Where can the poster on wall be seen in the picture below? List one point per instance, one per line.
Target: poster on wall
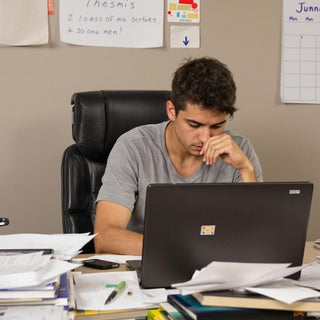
(121, 23)
(300, 65)
(186, 11)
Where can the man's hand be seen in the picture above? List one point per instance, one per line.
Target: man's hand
(224, 146)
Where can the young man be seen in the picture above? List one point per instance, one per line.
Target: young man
(192, 147)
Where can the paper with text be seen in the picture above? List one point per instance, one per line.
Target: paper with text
(30, 269)
(123, 23)
(91, 292)
(33, 313)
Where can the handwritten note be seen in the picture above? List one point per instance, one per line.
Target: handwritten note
(300, 68)
(110, 23)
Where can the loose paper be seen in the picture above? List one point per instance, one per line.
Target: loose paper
(185, 37)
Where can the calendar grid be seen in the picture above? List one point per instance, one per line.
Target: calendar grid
(301, 67)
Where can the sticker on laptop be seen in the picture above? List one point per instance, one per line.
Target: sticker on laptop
(294, 191)
(207, 230)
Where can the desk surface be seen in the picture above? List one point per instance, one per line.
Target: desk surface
(310, 255)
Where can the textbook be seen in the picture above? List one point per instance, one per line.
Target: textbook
(37, 292)
(58, 294)
(170, 311)
(192, 309)
(236, 299)
(155, 314)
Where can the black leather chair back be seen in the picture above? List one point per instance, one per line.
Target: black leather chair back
(99, 118)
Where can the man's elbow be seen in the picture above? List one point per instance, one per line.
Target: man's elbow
(98, 244)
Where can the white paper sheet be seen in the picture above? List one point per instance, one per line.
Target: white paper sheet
(30, 269)
(185, 37)
(65, 245)
(310, 276)
(33, 313)
(91, 292)
(227, 275)
(23, 22)
(285, 292)
(135, 24)
(266, 279)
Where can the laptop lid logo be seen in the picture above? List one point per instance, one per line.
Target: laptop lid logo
(207, 230)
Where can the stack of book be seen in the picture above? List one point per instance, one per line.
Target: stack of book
(53, 293)
(230, 305)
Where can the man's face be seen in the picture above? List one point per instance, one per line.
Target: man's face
(194, 126)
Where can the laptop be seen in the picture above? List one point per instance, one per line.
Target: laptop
(187, 226)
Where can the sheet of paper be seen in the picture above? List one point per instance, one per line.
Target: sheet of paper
(23, 23)
(185, 37)
(131, 24)
(23, 263)
(65, 245)
(91, 292)
(285, 292)
(31, 269)
(186, 11)
(33, 313)
(300, 72)
(310, 276)
(232, 275)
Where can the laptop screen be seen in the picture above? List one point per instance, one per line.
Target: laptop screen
(187, 226)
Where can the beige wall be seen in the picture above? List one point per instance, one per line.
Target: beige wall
(36, 84)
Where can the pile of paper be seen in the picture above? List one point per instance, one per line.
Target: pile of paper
(31, 269)
(263, 278)
(65, 245)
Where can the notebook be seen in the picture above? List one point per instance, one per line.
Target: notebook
(187, 226)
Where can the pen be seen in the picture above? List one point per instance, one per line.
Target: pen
(119, 288)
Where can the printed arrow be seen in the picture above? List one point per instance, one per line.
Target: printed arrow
(185, 41)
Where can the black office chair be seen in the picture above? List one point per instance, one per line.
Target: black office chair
(99, 118)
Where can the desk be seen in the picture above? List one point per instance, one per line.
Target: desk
(310, 255)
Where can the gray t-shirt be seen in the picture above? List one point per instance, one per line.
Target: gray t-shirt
(140, 157)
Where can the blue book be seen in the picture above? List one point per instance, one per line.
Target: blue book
(62, 298)
(192, 309)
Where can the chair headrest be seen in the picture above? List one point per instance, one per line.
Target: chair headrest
(100, 117)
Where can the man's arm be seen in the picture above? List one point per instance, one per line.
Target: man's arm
(111, 220)
(225, 147)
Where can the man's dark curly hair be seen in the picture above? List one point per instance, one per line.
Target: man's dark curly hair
(205, 82)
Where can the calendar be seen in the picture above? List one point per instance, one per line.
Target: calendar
(300, 65)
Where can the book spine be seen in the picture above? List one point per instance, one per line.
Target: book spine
(63, 292)
(198, 313)
(155, 314)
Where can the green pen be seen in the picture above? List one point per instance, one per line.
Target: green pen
(119, 288)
